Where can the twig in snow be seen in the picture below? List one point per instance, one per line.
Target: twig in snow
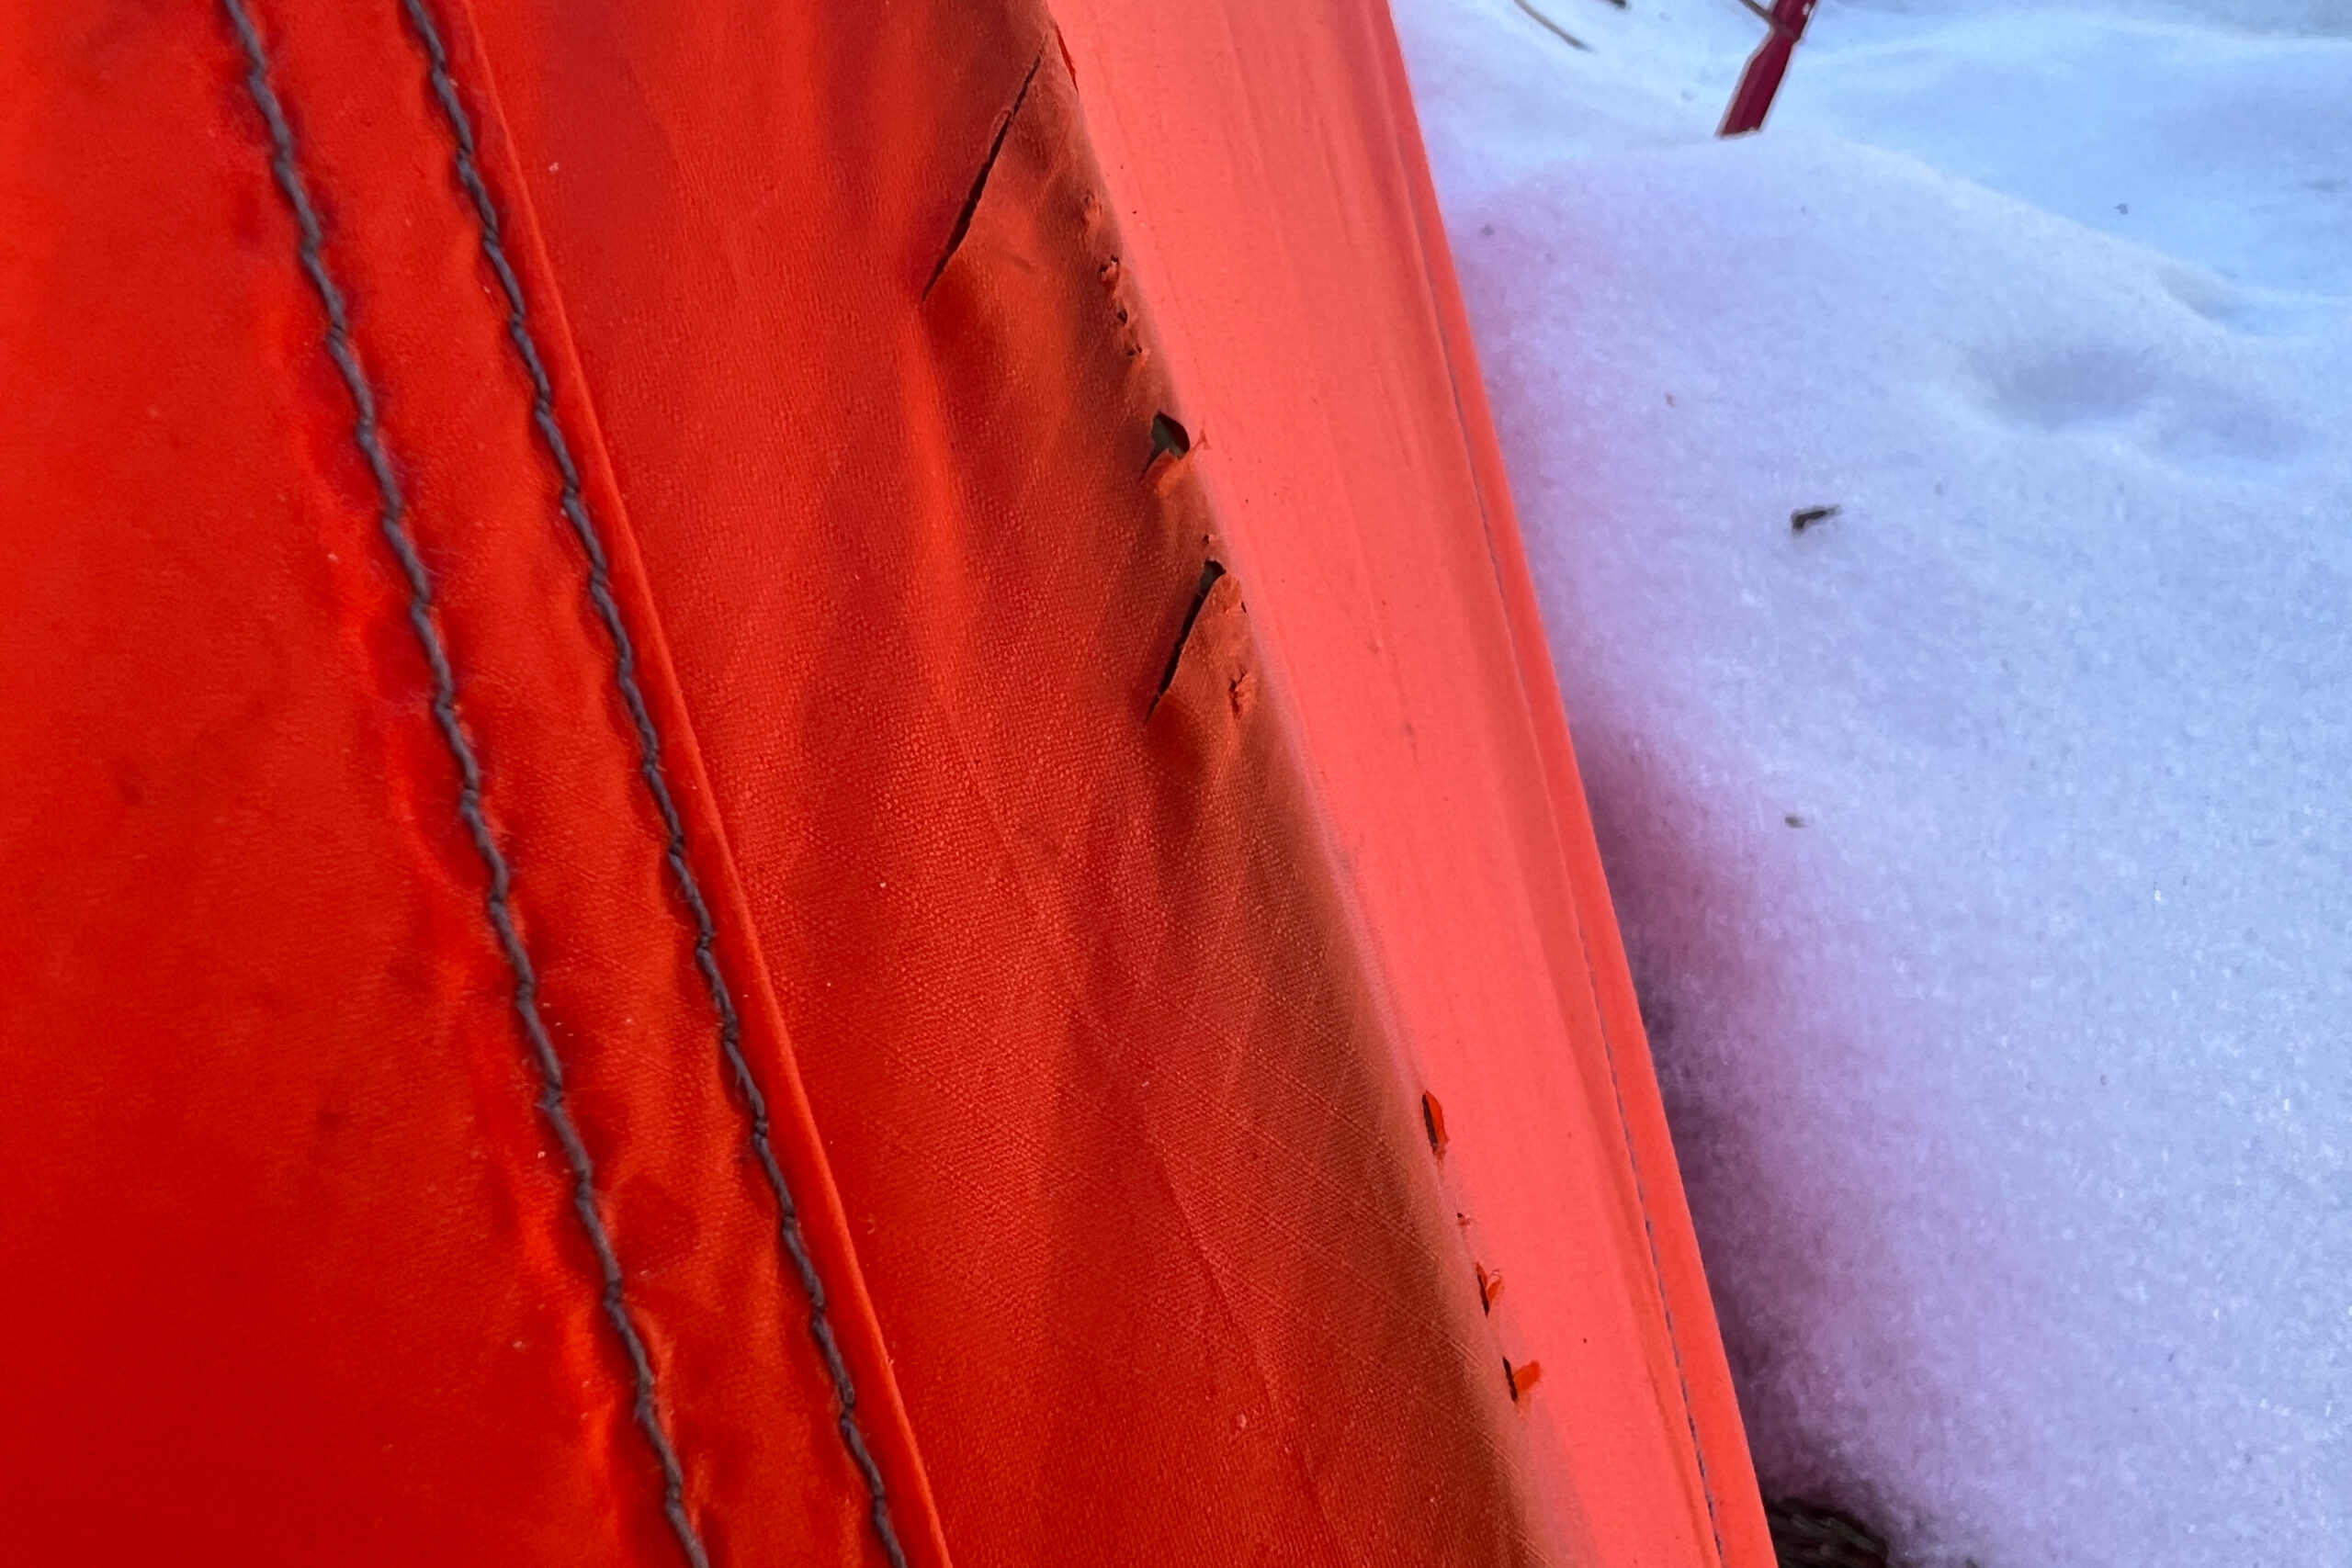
(1553, 28)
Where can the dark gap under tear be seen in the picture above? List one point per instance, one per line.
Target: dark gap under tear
(1166, 437)
(1433, 1122)
(981, 181)
(1210, 571)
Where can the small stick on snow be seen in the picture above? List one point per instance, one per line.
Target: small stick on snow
(1556, 30)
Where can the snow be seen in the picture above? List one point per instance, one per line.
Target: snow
(2014, 1086)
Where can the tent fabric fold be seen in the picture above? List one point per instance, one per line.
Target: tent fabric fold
(782, 790)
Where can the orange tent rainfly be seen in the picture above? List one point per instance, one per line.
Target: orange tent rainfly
(780, 788)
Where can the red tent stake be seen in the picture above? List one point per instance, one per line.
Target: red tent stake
(1766, 66)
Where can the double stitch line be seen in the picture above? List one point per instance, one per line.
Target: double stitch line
(575, 506)
(498, 902)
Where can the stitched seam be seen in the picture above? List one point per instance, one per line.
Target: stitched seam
(1657, 1267)
(1608, 1049)
(575, 511)
(1633, 1159)
(1625, 1131)
(498, 902)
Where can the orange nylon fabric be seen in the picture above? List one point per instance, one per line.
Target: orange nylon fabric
(1297, 267)
(292, 1265)
(1065, 592)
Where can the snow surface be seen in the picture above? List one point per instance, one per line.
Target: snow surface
(1986, 850)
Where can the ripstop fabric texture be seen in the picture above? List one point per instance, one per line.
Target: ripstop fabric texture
(780, 789)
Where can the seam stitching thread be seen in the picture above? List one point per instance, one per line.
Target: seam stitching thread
(574, 507)
(498, 900)
(1608, 1048)
(1658, 1266)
